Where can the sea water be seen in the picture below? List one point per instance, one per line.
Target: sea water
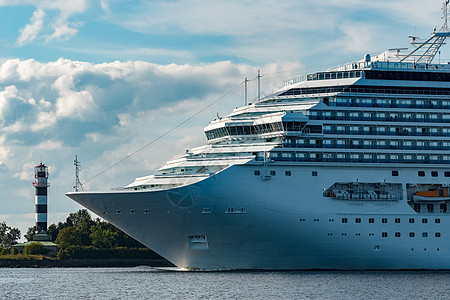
(152, 283)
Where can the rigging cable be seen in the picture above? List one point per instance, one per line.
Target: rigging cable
(219, 100)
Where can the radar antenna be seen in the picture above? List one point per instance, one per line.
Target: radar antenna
(425, 51)
(78, 185)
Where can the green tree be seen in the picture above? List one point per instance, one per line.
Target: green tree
(83, 222)
(104, 235)
(30, 232)
(8, 235)
(35, 248)
(53, 230)
(70, 236)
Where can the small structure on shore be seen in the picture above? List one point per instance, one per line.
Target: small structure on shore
(42, 238)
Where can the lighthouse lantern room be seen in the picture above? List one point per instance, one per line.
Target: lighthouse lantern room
(41, 184)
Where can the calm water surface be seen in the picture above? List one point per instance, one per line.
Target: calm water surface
(149, 283)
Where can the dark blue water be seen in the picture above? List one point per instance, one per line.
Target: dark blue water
(149, 283)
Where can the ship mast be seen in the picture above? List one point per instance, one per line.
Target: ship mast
(425, 51)
(78, 185)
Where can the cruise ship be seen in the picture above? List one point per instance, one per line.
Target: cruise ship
(344, 169)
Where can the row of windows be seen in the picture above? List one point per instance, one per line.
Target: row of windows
(385, 220)
(370, 90)
(366, 144)
(394, 173)
(378, 116)
(385, 130)
(396, 234)
(387, 102)
(132, 211)
(244, 130)
(358, 157)
(333, 75)
(286, 173)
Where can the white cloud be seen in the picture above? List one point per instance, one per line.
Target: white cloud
(57, 28)
(26, 173)
(30, 31)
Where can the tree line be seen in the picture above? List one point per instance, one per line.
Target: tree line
(80, 236)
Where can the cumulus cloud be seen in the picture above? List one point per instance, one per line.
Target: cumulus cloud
(102, 113)
(57, 27)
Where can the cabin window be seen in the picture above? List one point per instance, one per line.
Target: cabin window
(437, 220)
(384, 220)
(411, 234)
(447, 174)
(257, 173)
(287, 173)
(394, 173)
(344, 220)
(273, 173)
(424, 220)
(397, 220)
(358, 220)
(397, 234)
(146, 211)
(424, 234)
(411, 220)
(384, 234)
(314, 173)
(371, 220)
(421, 173)
(434, 173)
(437, 234)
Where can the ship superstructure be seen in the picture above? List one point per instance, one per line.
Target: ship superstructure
(343, 169)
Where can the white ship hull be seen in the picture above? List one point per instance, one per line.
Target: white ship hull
(333, 171)
(281, 223)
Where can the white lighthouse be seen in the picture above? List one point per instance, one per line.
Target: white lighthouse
(40, 184)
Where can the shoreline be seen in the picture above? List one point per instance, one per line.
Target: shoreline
(83, 263)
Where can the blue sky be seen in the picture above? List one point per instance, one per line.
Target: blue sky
(101, 79)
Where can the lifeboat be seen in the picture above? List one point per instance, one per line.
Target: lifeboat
(436, 195)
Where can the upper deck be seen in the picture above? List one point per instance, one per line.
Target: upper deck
(380, 70)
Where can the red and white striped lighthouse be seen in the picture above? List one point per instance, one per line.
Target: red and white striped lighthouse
(40, 184)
